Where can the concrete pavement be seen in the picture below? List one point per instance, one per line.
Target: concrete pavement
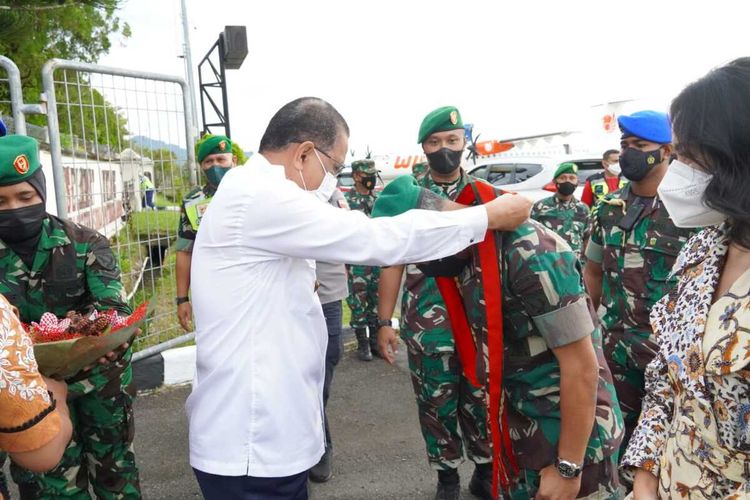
(378, 449)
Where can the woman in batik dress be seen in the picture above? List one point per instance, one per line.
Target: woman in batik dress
(693, 437)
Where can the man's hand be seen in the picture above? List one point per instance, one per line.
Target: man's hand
(59, 391)
(507, 212)
(553, 486)
(109, 357)
(185, 315)
(388, 343)
(645, 485)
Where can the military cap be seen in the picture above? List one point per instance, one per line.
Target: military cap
(217, 144)
(3, 129)
(19, 159)
(440, 120)
(401, 194)
(364, 166)
(649, 125)
(566, 168)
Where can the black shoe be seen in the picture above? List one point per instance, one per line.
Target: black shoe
(322, 471)
(363, 345)
(374, 349)
(481, 486)
(450, 491)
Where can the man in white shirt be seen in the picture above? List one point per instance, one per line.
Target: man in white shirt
(256, 410)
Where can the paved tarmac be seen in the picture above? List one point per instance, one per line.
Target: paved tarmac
(378, 449)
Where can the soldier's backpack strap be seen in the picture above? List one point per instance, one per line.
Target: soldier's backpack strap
(488, 255)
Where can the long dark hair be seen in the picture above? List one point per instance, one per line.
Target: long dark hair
(711, 122)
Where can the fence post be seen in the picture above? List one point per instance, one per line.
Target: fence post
(53, 127)
(16, 95)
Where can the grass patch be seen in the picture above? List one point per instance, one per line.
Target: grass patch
(131, 246)
(150, 224)
(162, 201)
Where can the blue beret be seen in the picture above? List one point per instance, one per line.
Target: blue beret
(649, 125)
(3, 129)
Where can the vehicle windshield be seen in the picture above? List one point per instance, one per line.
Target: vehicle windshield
(501, 174)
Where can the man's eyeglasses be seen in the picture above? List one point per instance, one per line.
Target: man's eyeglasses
(337, 166)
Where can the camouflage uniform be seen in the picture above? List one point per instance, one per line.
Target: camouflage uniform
(363, 280)
(445, 398)
(636, 267)
(569, 219)
(75, 269)
(191, 211)
(545, 306)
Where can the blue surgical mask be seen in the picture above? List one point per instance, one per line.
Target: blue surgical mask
(214, 174)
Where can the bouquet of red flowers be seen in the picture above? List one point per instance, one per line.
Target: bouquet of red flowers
(64, 347)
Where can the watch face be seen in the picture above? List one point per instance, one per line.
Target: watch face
(568, 470)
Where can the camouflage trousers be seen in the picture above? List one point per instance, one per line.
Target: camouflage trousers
(599, 481)
(363, 295)
(451, 412)
(627, 355)
(100, 453)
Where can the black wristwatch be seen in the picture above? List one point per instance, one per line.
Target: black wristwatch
(568, 470)
(181, 300)
(384, 322)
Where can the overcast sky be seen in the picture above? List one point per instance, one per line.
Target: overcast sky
(513, 67)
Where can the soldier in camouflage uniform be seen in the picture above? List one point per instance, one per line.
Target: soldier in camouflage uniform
(551, 340)
(215, 158)
(562, 212)
(51, 264)
(451, 412)
(632, 249)
(363, 280)
(419, 169)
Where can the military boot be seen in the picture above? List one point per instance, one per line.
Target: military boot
(363, 345)
(481, 482)
(374, 349)
(449, 485)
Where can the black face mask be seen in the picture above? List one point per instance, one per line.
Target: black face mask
(566, 188)
(21, 224)
(637, 164)
(368, 182)
(444, 161)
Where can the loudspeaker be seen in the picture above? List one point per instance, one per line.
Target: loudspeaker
(235, 46)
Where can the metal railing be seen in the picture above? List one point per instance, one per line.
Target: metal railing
(108, 129)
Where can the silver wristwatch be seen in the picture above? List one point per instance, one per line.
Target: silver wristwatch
(568, 470)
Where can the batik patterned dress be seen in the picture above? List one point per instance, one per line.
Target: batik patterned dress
(694, 430)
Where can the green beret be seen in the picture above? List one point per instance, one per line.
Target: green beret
(440, 120)
(364, 166)
(217, 144)
(566, 168)
(400, 195)
(19, 159)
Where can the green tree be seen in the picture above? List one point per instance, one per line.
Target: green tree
(34, 31)
(172, 179)
(84, 113)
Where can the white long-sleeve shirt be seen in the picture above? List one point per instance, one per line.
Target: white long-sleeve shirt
(256, 407)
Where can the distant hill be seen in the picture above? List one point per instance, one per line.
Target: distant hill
(146, 142)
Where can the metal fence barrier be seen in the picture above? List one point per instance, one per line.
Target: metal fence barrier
(114, 133)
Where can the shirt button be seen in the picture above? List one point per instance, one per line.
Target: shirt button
(471, 240)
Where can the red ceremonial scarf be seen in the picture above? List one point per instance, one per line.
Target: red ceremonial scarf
(503, 462)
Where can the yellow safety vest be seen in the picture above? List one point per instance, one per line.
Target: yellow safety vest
(600, 188)
(195, 209)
